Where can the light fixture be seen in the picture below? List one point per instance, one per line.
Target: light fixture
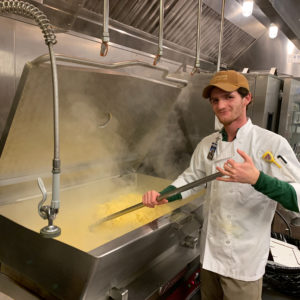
(247, 8)
(273, 31)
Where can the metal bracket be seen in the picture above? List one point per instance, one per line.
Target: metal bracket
(190, 241)
(118, 294)
(273, 71)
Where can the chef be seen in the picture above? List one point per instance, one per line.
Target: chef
(259, 169)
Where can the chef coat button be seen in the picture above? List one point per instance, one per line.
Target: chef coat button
(227, 242)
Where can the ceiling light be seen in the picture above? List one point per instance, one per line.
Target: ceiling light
(247, 8)
(273, 31)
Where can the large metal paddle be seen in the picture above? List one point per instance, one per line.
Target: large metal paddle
(159, 198)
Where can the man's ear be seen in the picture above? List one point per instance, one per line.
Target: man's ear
(248, 99)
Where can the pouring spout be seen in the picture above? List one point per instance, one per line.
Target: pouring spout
(51, 230)
(48, 212)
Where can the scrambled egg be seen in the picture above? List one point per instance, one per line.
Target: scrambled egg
(87, 235)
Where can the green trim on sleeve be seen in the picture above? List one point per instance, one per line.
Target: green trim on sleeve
(169, 189)
(278, 190)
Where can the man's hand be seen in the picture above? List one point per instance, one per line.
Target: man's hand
(244, 172)
(149, 199)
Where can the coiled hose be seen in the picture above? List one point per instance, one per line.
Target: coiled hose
(28, 10)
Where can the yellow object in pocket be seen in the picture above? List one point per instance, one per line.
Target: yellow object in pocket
(268, 157)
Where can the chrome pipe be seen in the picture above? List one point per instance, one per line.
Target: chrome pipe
(221, 35)
(105, 35)
(161, 31)
(198, 41)
(55, 104)
(161, 27)
(106, 21)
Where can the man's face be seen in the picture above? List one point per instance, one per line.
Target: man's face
(228, 106)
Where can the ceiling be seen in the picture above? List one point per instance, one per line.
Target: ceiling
(285, 14)
(135, 24)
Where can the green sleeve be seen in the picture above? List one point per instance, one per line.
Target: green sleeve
(169, 189)
(278, 190)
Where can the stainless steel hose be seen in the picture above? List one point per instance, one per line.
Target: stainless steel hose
(28, 10)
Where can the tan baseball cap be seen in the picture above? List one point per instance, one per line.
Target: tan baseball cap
(228, 81)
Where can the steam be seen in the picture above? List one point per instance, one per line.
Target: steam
(172, 149)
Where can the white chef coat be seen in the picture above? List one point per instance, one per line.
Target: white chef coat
(235, 237)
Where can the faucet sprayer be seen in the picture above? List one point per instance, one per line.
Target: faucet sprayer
(28, 10)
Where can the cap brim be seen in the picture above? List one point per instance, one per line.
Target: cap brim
(223, 86)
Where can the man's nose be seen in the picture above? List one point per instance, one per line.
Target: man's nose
(221, 103)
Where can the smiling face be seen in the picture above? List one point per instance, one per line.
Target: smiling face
(229, 107)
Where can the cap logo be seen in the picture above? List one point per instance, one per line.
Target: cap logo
(221, 78)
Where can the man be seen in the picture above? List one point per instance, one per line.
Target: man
(240, 205)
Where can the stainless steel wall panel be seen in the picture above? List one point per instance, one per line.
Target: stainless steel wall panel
(29, 44)
(289, 125)
(266, 99)
(287, 108)
(7, 69)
